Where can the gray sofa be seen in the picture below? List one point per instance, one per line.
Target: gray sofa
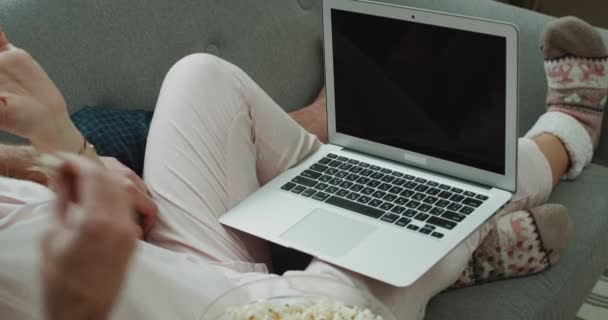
(115, 53)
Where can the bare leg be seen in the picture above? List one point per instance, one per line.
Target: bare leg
(556, 155)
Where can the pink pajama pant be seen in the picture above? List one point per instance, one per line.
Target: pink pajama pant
(216, 137)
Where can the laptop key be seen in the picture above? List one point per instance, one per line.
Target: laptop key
(377, 175)
(425, 207)
(341, 174)
(386, 171)
(356, 188)
(453, 216)
(442, 203)
(311, 174)
(418, 196)
(366, 172)
(403, 222)
(410, 185)
(398, 210)
(445, 195)
(353, 196)
(454, 206)
(470, 194)
(472, 202)
(321, 186)
(456, 198)
(432, 183)
(410, 213)
(304, 181)
(385, 187)
(386, 206)
(437, 235)
(421, 188)
(342, 193)
(399, 181)
(356, 169)
(412, 204)
(389, 197)
(481, 197)
(343, 159)
(346, 184)
(288, 186)
(379, 194)
(332, 189)
(324, 161)
(388, 178)
(375, 168)
(367, 191)
(444, 187)
(363, 164)
(363, 180)
(375, 203)
(354, 206)
(433, 191)
(331, 171)
(320, 196)
(420, 180)
(335, 181)
(353, 161)
(332, 156)
(395, 190)
(436, 211)
(390, 218)
(325, 178)
(407, 193)
(443, 223)
(401, 201)
(335, 164)
(397, 174)
(308, 192)
(466, 210)
(425, 231)
(430, 200)
(298, 189)
(352, 177)
(456, 190)
(430, 227)
(364, 199)
(345, 166)
(413, 227)
(374, 183)
(409, 177)
(318, 167)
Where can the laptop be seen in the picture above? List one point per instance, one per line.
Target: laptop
(422, 119)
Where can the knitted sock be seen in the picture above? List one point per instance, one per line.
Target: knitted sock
(522, 243)
(576, 64)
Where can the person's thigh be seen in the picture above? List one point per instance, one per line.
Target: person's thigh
(215, 137)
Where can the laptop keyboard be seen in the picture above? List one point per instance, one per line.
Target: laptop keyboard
(417, 204)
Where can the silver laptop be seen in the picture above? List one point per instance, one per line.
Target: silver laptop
(422, 118)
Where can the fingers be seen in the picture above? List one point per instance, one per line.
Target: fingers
(143, 204)
(4, 44)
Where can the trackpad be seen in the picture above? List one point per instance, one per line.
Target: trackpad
(328, 233)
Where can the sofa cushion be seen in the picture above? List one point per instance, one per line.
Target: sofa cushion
(558, 292)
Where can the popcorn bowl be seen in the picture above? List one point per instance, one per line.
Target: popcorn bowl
(296, 297)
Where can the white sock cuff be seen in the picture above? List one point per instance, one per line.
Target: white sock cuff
(572, 134)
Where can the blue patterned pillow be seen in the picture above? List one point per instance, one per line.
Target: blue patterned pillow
(117, 133)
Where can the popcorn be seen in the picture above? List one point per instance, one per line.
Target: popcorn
(302, 310)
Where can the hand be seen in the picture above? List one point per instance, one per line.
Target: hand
(85, 256)
(137, 190)
(31, 106)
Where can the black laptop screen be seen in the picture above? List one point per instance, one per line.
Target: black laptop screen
(432, 90)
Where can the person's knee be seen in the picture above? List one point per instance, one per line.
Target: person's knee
(203, 65)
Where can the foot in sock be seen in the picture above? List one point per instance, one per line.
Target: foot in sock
(522, 243)
(576, 64)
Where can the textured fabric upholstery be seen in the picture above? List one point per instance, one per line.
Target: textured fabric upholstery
(112, 52)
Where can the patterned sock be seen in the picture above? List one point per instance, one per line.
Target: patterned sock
(576, 64)
(522, 243)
